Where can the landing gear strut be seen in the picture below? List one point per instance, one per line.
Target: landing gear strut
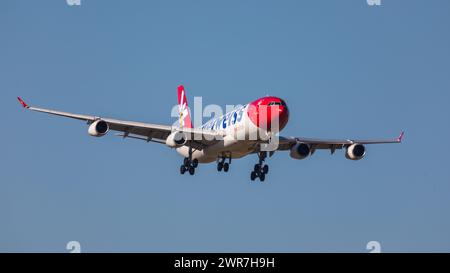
(189, 165)
(222, 165)
(260, 170)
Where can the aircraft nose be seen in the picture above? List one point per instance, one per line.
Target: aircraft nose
(269, 113)
(279, 115)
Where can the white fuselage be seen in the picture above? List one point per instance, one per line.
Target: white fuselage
(240, 135)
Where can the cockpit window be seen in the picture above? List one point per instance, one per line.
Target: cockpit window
(272, 103)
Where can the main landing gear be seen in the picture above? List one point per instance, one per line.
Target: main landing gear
(189, 165)
(260, 170)
(222, 165)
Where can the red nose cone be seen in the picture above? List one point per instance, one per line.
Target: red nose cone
(269, 113)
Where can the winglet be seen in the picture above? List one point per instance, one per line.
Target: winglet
(23, 103)
(399, 139)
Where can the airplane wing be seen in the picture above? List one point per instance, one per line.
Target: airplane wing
(198, 139)
(286, 143)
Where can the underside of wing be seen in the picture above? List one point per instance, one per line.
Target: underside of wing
(286, 143)
(195, 138)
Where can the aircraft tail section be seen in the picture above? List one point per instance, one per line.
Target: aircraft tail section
(184, 115)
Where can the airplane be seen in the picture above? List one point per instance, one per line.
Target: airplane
(226, 137)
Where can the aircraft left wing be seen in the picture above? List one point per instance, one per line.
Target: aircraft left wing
(198, 139)
(285, 143)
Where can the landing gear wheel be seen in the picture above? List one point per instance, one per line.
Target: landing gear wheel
(195, 163)
(253, 176)
(262, 177)
(260, 170)
(186, 162)
(226, 166)
(182, 169)
(191, 170)
(219, 166)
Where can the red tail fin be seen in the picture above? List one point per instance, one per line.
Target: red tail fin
(185, 116)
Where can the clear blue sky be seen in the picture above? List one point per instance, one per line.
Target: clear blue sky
(345, 69)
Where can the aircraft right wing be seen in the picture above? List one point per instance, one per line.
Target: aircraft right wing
(197, 138)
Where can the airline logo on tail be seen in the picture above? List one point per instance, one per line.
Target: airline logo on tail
(184, 116)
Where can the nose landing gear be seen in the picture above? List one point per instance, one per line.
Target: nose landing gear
(260, 170)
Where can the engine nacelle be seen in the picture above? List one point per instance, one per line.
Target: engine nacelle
(98, 128)
(355, 152)
(300, 151)
(176, 139)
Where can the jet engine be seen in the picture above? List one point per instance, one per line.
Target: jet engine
(98, 128)
(176, 139)
(355, 152)
(300, 151)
